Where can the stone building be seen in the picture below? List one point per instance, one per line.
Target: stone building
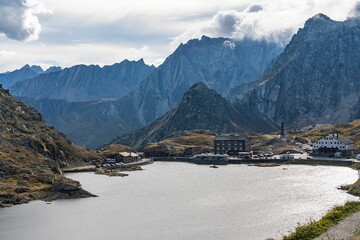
(231, 144)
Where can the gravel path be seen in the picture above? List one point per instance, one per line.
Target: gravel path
(345, 230)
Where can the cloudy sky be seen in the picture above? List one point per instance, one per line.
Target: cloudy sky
(69, 32)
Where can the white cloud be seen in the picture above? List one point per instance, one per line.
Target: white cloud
(4, 53)
(355, 11)
(108, 31)
(275, 20)
(18, 19)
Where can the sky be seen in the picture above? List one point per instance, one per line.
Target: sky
(68, 32)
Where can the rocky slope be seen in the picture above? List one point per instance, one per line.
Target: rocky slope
(200, 108)
(220, 63)
(8, 79)
(32, 154)
(85, 83)
(315, 79)
(88, 124)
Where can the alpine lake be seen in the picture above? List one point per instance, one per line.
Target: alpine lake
(185, 201)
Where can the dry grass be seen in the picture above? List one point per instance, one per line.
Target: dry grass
(348, 130)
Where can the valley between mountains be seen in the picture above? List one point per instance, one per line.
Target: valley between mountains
(62, 118)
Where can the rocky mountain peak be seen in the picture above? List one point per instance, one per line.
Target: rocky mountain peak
(198, 89)
(53, 69)
(220, 63)
(25, 66)
(34, 68)
(83, 83)
(200, 108)
(37, 69)
(320, 17)
(315, 79)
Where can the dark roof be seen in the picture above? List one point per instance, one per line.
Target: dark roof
(338, 137)
(345, 140)
(230, 137)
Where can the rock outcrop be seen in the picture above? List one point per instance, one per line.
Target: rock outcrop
(32, 154)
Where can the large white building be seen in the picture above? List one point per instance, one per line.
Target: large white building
(331, 144)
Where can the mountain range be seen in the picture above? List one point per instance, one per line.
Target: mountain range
(83, 83)
(79, 101)
(220, 63)
(313, 80)
(200, 108)
(316, 78)
(8, 79)
(89, 124)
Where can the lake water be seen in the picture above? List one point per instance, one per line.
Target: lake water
(184, 201)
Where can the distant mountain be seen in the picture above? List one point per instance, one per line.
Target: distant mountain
(32, 154)
(85, 102)
(238, 92)
(8, 79)
(53, 69)
(220, 63)
(88, 124)
(315, 80)
(200, 108)
(85, 83)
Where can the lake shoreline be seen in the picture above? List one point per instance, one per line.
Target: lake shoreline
(194, 194)
(43, 196)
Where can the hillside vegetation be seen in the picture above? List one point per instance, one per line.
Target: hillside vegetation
(196, 141)
(349, 130)
(32, 154)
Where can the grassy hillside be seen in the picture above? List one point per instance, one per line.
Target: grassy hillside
(176, 144)
(32, 154)
(200, 141)
(349, 130)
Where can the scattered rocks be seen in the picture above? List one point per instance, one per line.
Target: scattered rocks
(65, 189)
(46, 178)
(21, 189)
(12, 199)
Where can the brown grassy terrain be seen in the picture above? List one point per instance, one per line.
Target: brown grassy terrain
(177, 143)
(349, 130)
(203, 142)
(113, 149)
(32, 154)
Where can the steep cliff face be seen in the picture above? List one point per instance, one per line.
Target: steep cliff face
(88, 124)
(85, 83)
(316, 78)
(220, 63)
(8, 79)
(32, 154)
(200, 108)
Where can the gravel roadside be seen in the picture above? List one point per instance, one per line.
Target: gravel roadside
(345, 230)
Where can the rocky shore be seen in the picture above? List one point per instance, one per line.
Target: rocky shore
(60, 189)
(32, 156)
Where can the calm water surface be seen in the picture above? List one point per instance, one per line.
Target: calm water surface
(184, 201)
